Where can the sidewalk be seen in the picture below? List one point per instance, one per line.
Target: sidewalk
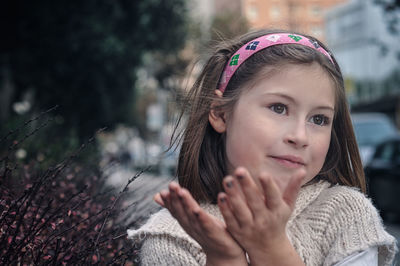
(140, 193)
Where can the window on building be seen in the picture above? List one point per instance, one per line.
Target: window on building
(316, 31)
(296, 9)
(275, 12)
(252, 13)
(315, 10)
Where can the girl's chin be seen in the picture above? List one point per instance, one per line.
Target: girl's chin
(281, 178)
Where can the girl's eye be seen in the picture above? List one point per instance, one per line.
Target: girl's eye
(279, 108)
(320, 120)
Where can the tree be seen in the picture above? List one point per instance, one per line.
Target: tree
(228, 25)
(83, 55)
(391, 8)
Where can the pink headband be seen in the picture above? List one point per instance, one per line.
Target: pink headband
(261, 43)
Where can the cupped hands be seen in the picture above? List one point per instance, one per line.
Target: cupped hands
(257, 215)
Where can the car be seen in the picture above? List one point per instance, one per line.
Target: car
(371, 129)
(383, 176)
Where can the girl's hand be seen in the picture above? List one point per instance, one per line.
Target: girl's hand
(257, 217)
(218, 245)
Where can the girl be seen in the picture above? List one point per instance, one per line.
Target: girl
(269, 171)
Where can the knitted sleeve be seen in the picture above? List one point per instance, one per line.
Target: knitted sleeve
(356, 226)
(164, 242)
(168, 250)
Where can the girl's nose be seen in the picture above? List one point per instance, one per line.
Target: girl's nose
(297, 135)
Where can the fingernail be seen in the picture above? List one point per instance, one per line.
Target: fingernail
(229, 184)
(196, 214)
(240, 177)
(222, 199)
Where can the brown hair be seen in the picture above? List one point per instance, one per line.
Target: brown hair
(202, 159)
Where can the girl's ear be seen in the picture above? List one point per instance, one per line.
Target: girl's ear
(217, 119)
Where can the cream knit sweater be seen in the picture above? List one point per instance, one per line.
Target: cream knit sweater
(328, 224)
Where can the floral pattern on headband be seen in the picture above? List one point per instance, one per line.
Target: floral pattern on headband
(261, 43)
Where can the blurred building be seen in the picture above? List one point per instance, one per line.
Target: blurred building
(367, 53)
(231, 6)
(204, 11)
(358, 36)
(305, 16)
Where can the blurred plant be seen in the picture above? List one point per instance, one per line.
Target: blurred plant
(391, 82)
(375, 89)
(391, 16)
(391, 8)
(83, 55)
(228, 25)
(62, 215)
(48, 146)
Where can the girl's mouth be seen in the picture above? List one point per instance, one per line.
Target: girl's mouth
(287, 161)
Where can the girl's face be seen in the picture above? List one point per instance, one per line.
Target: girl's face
(282, 124)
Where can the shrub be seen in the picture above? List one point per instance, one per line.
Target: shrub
(61, 215)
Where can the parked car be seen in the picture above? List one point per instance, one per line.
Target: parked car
(370, 130)
(383, 176)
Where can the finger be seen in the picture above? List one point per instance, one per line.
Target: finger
(272, 192)
(200, 220)
(171, 203)
(230, 219)
(191, 208)
(237, 201)
(157, 198)
(176, 207)
(187, 200)
(292, 190)
(164, 194)
(251, 192)
(189, 204)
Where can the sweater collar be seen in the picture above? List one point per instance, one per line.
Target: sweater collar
(307, 194)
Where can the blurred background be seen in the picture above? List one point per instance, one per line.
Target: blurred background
(71, 68)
